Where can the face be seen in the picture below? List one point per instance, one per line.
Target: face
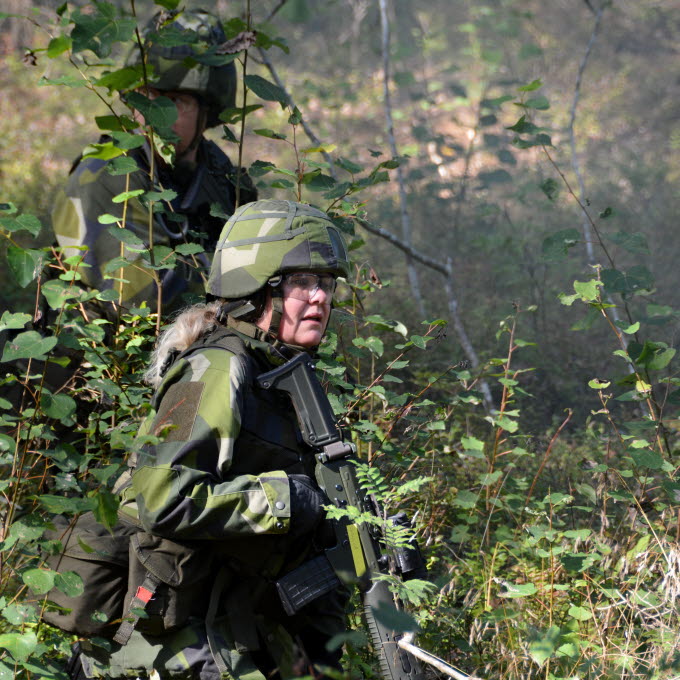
(188, 113)
(303, 321)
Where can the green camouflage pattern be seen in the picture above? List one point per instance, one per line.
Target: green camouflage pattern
(89, 193)
(219, 473)
(178, 67)
(270, 237)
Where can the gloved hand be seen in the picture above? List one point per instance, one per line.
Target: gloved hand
(306, 500)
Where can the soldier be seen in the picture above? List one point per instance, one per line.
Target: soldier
(202, 176)
(225, 498)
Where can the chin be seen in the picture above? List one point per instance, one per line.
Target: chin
(308, 340)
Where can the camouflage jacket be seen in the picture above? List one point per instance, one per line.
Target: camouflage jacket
(218, 477)
(90, 192)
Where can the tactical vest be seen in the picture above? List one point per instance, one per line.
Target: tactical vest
(154, 584)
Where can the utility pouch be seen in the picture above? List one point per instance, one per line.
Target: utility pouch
(306, 583)
(167, 583)
(100, 558)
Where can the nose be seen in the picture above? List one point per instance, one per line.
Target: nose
(319, 296)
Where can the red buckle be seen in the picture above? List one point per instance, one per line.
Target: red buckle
(144, 594)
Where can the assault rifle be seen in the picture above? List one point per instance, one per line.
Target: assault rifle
(359, 555)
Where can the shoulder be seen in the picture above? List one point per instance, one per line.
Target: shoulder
(95, 172)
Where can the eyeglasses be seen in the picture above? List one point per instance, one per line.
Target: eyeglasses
(303, 286)
(183, 101)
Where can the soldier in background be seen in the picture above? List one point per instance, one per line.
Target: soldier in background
(227, 497)
(202, 176)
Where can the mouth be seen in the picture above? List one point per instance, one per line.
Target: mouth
(316, 317)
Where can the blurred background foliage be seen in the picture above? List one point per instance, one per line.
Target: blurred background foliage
(472, 195)
(550, 521)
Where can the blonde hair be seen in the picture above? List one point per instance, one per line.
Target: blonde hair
(189, 326)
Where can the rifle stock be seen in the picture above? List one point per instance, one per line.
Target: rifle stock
(357, 556)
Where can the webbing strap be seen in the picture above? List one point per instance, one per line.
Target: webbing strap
(138, 604)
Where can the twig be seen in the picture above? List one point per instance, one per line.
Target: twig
(587, 233)
(305, 126)
(445, 270)
(405, 220)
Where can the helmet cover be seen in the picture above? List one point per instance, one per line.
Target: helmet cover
(180, 53)
(271, 237)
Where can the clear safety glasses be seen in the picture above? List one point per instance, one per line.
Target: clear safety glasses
(303, 286)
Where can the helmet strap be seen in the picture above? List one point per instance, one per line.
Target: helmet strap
(277, 313)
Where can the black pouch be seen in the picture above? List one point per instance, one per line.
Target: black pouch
(100, 558)
(182, 571)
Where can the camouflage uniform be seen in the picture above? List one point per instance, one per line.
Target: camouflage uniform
(193, 66)
(221, 477)
(89, 194)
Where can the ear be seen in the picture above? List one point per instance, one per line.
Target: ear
(266, 317)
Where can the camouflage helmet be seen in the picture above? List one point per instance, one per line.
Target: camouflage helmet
(270, 237)
(187, 66)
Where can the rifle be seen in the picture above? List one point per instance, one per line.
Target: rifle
(359, 554)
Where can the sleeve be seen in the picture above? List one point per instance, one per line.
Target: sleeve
(89, 193)
(182, 486)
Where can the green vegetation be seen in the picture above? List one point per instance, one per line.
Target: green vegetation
(539, 460)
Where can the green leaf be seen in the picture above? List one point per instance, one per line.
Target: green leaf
(544, 647)
(19, 615)
(69, 583)
(533, 85)
(588, 290)
(127, 237)
(633, 243)
(58, 292)
(19, 645)
(580, 613)
(189, 249)
(58, 46)
(627, 283)
(654, 356)
(393, 618)
(39, 580)
(104, 151)
(523, 127)
(122, 79)
(106, 508)
(556, 246)
(28, 345)
(541, 103)
(98, 29)
(126, 196)
(64, 504)
(58, 406)
(551, 189)
(24, 263)
(270, 134)
(466, 499)
(266, 90)
(13, 321)
(160, 113)
(647, 459)
(121, 165)
(516, 590)
(319, 182)
(28, 223)
(372, 343)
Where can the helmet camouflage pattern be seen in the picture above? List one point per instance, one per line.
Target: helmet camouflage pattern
(180, 52)
(270, 237)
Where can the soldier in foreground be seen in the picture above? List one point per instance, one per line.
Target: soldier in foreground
(225, 499)
(202, 176)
